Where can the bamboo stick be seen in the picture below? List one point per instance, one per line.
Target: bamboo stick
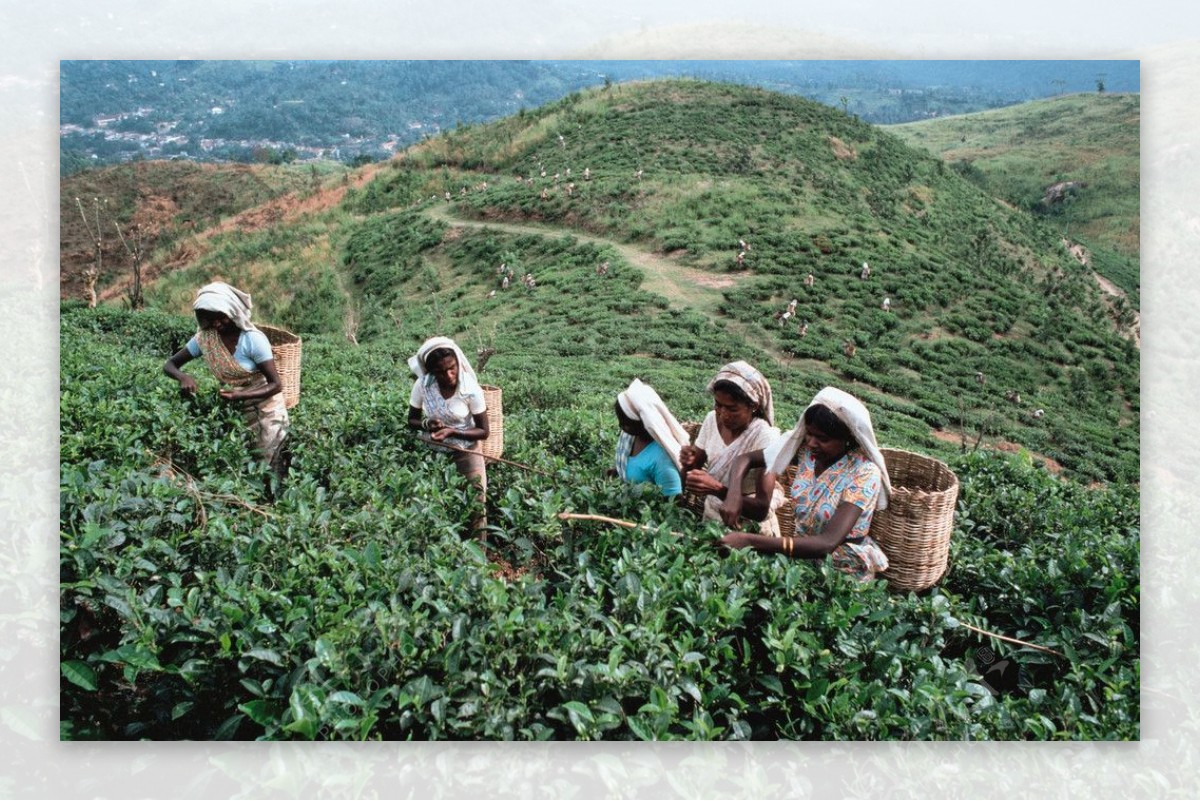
(491, 458)
(611, 520)
(1012, 640)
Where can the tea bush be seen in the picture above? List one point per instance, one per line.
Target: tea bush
(347, 605)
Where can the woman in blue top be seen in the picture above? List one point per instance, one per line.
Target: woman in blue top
(240, 358)
(651, 439)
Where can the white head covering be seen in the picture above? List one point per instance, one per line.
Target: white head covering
(752, 382)
(641, 402)
(225, 299)
(467, 382)
(851, 411)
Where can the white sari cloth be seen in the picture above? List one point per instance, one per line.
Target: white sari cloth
(851, 411)
(640, 402)
(459, 410)
(225, 299)
(757, 436)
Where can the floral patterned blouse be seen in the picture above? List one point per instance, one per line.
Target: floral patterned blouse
(852, 479)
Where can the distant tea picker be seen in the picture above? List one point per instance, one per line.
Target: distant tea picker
(239, 356)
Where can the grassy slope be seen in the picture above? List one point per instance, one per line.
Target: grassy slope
(170, 200)
(974, 286)
(1019, 151)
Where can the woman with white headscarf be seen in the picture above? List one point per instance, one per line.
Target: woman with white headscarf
(447, 405)
(651, 439)
(742, 420)
(239, 357)
(841, 479)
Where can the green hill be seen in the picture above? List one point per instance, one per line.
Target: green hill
(1018, 152)
(974, 286)
(348, 607)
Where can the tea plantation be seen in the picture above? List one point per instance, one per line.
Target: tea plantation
(199, 601)
(348, 606)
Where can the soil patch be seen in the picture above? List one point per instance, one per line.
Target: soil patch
(1003, 445)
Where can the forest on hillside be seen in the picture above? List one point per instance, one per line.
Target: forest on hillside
(115, 111)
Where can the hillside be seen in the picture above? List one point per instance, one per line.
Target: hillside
(974, 286)
(170, 201)
(1087, 142)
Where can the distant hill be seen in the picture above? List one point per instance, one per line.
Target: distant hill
(661, 180)
(1086, 145)
(114, 111)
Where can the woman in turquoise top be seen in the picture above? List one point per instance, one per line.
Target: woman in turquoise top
(651, 437)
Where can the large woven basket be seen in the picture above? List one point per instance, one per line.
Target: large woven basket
(285, 346)
(493, 446)
(914, 530)
(785, 514)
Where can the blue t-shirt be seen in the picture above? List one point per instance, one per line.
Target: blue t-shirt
(253, 348)
(654, 465)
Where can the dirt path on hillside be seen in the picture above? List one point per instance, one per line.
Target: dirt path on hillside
(1079, 252)
(960, 439)
(1111, 289)
(683, 287)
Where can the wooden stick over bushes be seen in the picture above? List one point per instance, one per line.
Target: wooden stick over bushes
(610, 520)
(1011, 639)
(492, 458)
(627, 524)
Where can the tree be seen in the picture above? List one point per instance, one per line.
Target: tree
(92, 273)
(136, 251)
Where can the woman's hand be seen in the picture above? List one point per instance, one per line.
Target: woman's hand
(440, 432)
(737, 540)
(187, 386)
(691, 457)
(701, 483)
(230, 394)
(731, 508)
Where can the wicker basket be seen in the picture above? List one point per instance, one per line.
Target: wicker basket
(493, 446)
(285, 347)
(785, 515)
(914, 530)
